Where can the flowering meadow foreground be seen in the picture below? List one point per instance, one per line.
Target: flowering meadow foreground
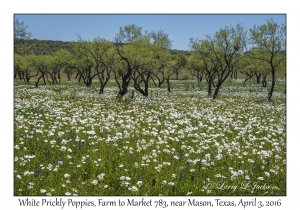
(69, 140)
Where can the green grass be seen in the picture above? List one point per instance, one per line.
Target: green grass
(77, 142)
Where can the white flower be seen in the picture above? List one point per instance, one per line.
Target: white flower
(94, 182)
(176, 157)
(139, 183)
(91, 132)
(67, 175)
(133, 188)
(240, 172)
(250, 161)
(64, 141)
(52, 142)
(101, 176)
(43, 191)
(171, 183)
(28, 173)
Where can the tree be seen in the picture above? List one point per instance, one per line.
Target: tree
(85, 63)
(163, 44)
(180, 62)
(134, 51)
(195, 66)
(21, 36)
(157, 52)
(248, 68)
(269, 45)
(223, 50)
(175, 64)
(60, 60)
(66, 61)
(108, 63)
(23, 67)
(100, 56)
(203, 52)
(43, 64)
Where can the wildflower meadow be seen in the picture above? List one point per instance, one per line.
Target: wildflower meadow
(70, 140)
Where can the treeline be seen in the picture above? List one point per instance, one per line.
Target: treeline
(142, 57)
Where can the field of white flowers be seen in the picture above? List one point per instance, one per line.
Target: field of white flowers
(69, 140)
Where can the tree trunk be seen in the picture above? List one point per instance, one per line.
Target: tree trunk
(20, 75)
(247, 78)
(209, 86)
(216, 91)
(146, 89)
(37, 82)
(200, 79)
(101, 89)
(285, 84)
(169, 86)
(58, 75)
(125, 84)
(160, 82)
(101, 85)
(177, 73)
(272, 85)
(235, 75)
(258, 79)
(264, 81)
(80, 77)
(76, 75)
(44, 79)
(124, 89)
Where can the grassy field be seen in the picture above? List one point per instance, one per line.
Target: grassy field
(69, 140)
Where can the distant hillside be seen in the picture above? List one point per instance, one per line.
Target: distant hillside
(48, 47)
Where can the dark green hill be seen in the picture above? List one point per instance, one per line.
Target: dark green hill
(46, 47)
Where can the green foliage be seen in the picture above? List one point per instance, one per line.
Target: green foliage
(269, 42)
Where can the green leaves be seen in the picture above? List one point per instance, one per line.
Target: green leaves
(269, 44)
